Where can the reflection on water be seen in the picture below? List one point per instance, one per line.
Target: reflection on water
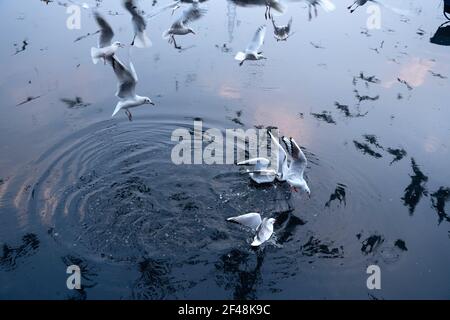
(367, 106)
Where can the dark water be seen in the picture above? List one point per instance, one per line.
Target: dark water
(77, 187)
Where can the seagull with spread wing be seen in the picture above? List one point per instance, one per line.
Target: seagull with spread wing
(126, 88)
(290, 166)
(282, 33)
(106, 49)
(180, 26)
(253, 51)
(140, 38)
(262, 227)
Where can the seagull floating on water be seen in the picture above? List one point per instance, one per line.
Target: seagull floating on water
(253, 51)
(140, 38)
(127, 88)
(180, 26)
(263, 228)
(282, 33)
(106, 49)
(290, 167)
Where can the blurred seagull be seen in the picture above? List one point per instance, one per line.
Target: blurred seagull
(327, 5)
(106, 49)
(253, 49)
(269, 4)
(360, 3)
(290, 167)
(263, 228)
(126, 88)
(356, 4)
(174, 6)
(140, 38)
(179, 27)
(282, 33)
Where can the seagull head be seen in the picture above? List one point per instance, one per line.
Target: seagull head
(147, 100)
(118, 44)
(300, 184)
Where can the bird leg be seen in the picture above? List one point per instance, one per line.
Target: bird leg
(315, 10)
(128, 113)
(134, 38)
(266, 13)
(350, 7)
(241, 63)
(309, 13)
(175, 43)
(351, 11)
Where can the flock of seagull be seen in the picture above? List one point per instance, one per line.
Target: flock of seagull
(126, 74)
(291, 161)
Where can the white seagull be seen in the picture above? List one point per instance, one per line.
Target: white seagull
(294, 175)
(126, 88)
(282, 33)
(105, 49)
(180, 26)
(253, 51)
(264, 171)
(140, 38)
(263, 228)
(290, 167)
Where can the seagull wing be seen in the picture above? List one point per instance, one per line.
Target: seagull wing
(260, 163)
(257, 41)
(289, 25)
(263, 233)
(282, 156)
(138, 20)
(106, 32)
(251, 220)
(162, 8)
(299, 161)
(194, 12)
(127, 78)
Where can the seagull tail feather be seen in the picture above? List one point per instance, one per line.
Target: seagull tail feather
(118, 108)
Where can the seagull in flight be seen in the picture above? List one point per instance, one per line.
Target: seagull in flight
(294, 175)
(269, 4)
(327, 5)
(360, 3)
(106, 49)
(180, 26)
(253, 51)
(140, 38)
(126, 88)
(282, 33)
(262, 227)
